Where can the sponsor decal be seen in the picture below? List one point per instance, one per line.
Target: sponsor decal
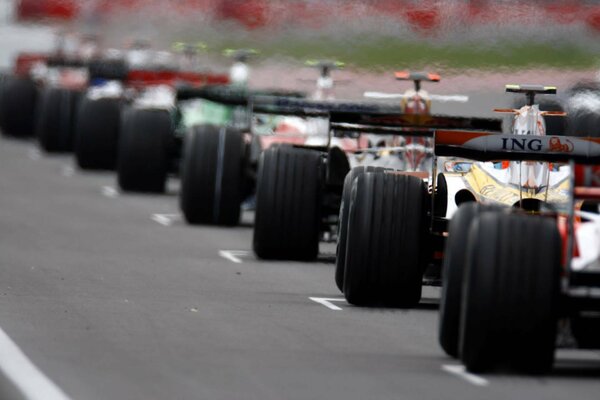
(555, 145)
(521, 144)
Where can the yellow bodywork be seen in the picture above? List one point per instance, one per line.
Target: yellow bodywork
(487, 189)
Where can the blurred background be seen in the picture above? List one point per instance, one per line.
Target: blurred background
(475, 44)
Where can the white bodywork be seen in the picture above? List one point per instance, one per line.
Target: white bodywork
(239, 73)
(587, 236)
(110, 90)
(528, 176)
(160, 97)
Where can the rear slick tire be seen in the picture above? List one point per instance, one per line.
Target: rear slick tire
(143, 159)
(97, 133)
(340, 259)
(18, 104)
(56, 119)
(387, 231)
(288, 195)
(212, 176)
(511, 293)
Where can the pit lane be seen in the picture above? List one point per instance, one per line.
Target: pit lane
(108, 303)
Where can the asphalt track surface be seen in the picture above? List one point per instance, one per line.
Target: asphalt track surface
(113, 297)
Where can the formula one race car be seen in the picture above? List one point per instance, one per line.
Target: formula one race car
(42, 93)
(303, 186)
(221, 156)
(153, 127)
(517, 273)
(143, 75)
(484, 186)
(218, 166)
(63, 78)
(300, 188)
(396, 227)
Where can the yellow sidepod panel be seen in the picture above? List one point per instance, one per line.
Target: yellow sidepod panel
(489, 189)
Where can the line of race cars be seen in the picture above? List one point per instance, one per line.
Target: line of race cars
(507, 224)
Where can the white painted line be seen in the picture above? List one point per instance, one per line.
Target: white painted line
(28, 379)
(461, 372)
(165, 219)
(67, 171)
(327, 302)
(110, 191)
(233, 255)
(34, 154)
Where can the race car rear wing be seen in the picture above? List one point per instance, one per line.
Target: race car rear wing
(383, 121)
(233, 96)
(487, 146)
(141, 78)
(530, 91)
(370, 117)
(65, 62)
(538, 89)
(355, 116)
(417, 76)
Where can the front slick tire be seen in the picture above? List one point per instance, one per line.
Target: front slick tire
(287, 221)
(510, 301)
(143, 159)
(212, 176)
(387, 228)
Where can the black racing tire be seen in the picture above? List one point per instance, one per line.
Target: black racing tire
(288, 199)
(340, 258)
(56, 119)
(18, 102)
(143, 157)
(212, 175)
(97, 133)
(387, 228)
(511, 294)
(453, 273)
